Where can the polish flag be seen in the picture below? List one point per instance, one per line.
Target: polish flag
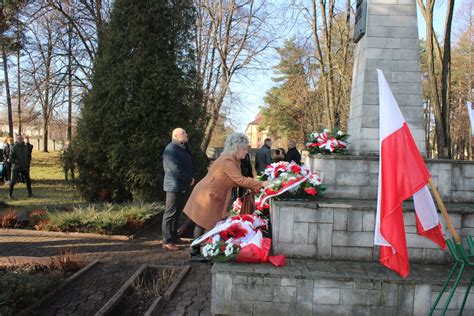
(402, 174)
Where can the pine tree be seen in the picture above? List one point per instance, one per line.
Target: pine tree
(144, 85)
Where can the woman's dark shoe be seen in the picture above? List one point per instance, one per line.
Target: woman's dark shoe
(198, 258)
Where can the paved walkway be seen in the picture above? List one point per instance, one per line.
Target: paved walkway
(118, 261)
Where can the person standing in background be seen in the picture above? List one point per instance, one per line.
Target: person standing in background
(263, 157)
(20, 160)
(179, 178)
(7, 148)
(293, 154)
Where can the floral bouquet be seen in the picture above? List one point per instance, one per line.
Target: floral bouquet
(327, 143)
(238, 238)
(289, 180)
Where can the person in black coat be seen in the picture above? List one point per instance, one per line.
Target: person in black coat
(263, 157)
(7, 148)
(179, 177)
(246, 170)
(293, 154)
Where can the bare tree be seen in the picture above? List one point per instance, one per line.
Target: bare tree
(44, 76)
(8, 11)
(87, 21)
(230, 36)
(330, 36)
(439, 85)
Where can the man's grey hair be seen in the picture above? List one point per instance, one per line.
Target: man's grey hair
(234, 142)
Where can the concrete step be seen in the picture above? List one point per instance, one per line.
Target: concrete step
(317, 287)
(331, 229)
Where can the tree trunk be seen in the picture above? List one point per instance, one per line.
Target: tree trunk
(45, 135)
(445, 75)
(214, 117)
(19, 80)
(442, 142)
(69, 82)
(7, 88)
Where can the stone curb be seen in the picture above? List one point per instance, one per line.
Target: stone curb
(153, 221)
(156, 306)
(21, 260)
(114, 300)
(30, 232)
(54, 291)
(170, 292)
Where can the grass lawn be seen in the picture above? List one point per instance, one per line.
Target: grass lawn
(51, 190)
(66, 210)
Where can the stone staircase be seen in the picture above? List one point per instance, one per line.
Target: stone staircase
(332, 266)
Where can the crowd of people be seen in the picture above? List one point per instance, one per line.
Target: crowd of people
(16, 163)
(206, 202)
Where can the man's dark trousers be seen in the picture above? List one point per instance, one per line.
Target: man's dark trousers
(175, 202)
(16, 175)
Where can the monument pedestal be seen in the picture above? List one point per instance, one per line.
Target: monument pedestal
(356, 177)
(344, 230)
(319, 287)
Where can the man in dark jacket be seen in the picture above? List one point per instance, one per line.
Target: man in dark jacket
(7, 148)
(263, 157)
(20, 160)
(179, 177)
(293, 154)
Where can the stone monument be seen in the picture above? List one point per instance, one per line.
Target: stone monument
(390, 43)
(332, 266)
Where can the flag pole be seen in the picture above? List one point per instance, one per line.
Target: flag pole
(453, 232)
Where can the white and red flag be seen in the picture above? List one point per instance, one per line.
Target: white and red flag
(402, 174)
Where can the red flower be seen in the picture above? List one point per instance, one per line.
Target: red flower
(311, 191)
(237, 217)
(224, 235)
(296, 168)
(247, 218)
(270, 191)
(236, 231)
(261, 207)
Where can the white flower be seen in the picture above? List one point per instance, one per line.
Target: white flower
(314, 135)
(215, 252)
(229, 249)
(207, 250)
(315, 180)
(340, 133)
(327, 130)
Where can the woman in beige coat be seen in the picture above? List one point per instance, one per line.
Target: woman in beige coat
(210, 198)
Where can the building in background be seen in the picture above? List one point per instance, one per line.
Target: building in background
(257, 134)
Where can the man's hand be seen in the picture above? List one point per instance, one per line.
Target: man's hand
(192, 181)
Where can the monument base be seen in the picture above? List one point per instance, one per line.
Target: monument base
(310, 287)
(344, 230)
(356, 177)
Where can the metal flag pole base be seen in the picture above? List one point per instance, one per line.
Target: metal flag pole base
(461, 260)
